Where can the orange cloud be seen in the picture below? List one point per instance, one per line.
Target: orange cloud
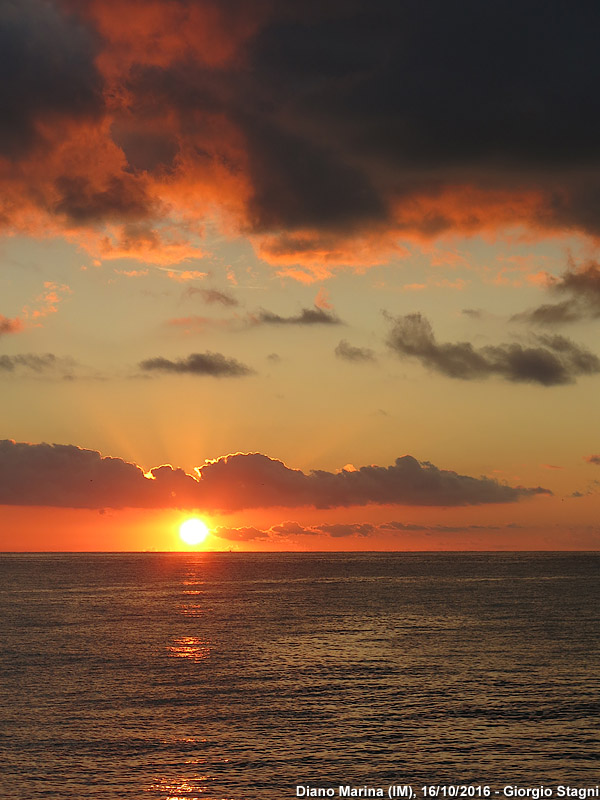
(7, 325)
(47, 301)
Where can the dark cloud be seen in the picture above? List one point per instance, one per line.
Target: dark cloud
(120, 198)
(395, 100)
(309, 124)
(145, 150)
(214, 364)
(46, 363)
(350, 353)
(556, 361)
(47, 71)
(584, 281)
(583, 286)
(552, 313)
(68, 476)
(298, 182)
(308, 316)
(212, 296)
(593, 459)
(10, 325)
(254, 480)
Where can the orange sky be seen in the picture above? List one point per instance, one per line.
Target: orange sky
(345, 284)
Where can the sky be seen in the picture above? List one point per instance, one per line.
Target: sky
(325, 276)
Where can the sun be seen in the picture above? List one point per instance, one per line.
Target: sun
(193, 531)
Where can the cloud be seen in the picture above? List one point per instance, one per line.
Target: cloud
(287, 123)
(322, 299)
(48, 72)
(593, 459)
(7, 325)
(308, 316)
(184, 275)
(212, 296)
(551, 313)
(214, 364)
(47, 302)
(356, 530)
(69, 476)
(583, 286)
(247, 534)
(357, 354)
(556, 361)
(40, 364)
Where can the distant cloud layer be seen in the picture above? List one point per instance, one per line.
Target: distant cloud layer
(325, 132)
(69, 476)
(555, 361)
(355, 529)
(214, 364)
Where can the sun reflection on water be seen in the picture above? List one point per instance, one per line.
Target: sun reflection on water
(190, 647)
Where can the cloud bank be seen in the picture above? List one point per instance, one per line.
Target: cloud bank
(338, 531)
(69, 476)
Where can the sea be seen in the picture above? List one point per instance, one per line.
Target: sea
(236, 676)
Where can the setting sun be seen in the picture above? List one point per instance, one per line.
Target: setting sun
(193, 531)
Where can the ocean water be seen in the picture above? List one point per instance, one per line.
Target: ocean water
(241, 676)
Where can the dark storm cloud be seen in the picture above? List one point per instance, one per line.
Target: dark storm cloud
(145, 150)
(350, 353)
(299, 183)
(583, 286)
(212, 296)
(593, 459)
(46, 69)
(68, 476)
(312, 122)
(122, 199)
(214, 364)
(401, 98)
(555, 361)
(308, 316)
